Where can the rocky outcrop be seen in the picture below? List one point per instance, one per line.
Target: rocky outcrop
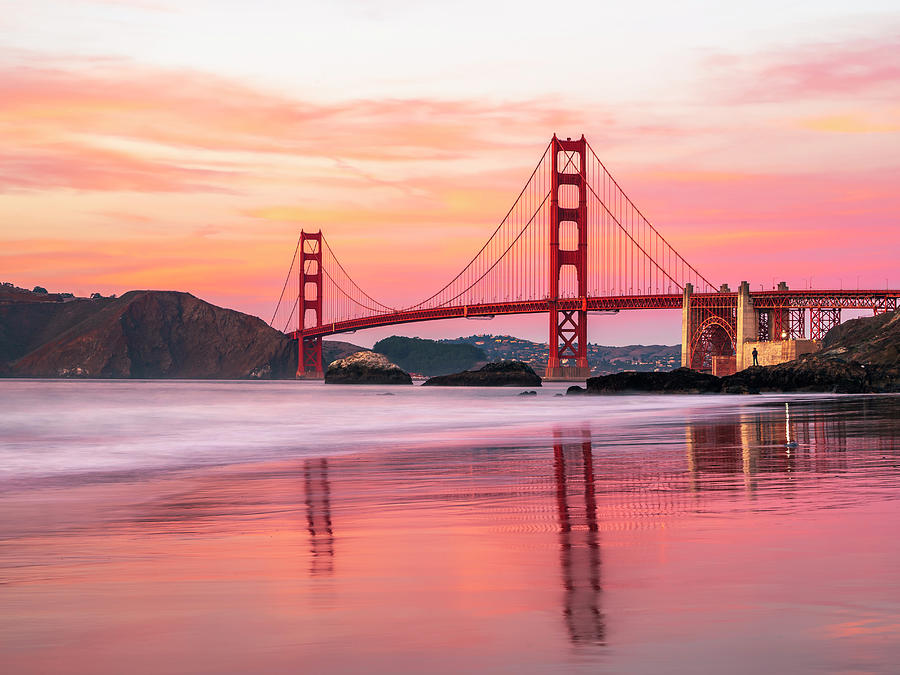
(143, 334)
(822, 375)
(365, 367)
(498, 374)
(680, 381)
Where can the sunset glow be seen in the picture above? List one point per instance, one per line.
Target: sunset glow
(155, 144)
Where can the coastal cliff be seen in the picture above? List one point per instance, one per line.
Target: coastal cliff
(143, 334)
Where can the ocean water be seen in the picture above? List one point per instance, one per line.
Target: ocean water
(233, 527)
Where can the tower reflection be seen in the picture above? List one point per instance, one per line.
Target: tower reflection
(318, 517)
(579, 539)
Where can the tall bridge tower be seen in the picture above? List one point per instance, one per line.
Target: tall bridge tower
(568, 221)
(309, 361)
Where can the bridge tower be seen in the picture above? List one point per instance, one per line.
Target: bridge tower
(309, 358)
(568, 327)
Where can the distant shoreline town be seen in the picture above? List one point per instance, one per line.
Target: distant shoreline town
(603, 359)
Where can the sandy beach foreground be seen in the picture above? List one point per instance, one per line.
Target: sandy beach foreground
(696, 541)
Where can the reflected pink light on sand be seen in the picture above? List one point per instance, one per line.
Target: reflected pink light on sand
(706, 539)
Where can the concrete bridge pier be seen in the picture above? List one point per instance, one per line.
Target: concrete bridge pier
(747, 325)
(686, 328)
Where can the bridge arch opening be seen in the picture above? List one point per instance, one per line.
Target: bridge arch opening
(714, 338)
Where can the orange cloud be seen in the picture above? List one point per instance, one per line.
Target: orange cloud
(854, 123)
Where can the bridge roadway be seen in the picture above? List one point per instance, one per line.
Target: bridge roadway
(876, 300)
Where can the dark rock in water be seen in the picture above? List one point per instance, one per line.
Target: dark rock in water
(497, 374)
(575, 390)
(680, 381)
(143, 334)
(527, 393)
(365, 368)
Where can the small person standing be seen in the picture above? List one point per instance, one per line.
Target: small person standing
(755, 357)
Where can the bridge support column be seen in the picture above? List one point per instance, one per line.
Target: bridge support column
(747, 329)
(568, 327)
(780, 319)
(309, 304)
(687, 330)
(310, 361)
(822, 320)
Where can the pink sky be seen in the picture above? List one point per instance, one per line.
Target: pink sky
(183, 146)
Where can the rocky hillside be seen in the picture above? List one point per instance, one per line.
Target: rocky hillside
(873, 341)
(143, 334)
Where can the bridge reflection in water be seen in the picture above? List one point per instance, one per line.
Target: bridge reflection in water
(579, 539)
(318, 516)
(763, 454)
(775, 449)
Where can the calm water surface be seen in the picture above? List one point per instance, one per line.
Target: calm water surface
(196, 527)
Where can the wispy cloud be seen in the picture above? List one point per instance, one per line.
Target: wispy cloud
(198, 110)
(826, 70)
(85, 168)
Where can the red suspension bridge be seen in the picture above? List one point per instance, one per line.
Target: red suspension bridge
(572, 243)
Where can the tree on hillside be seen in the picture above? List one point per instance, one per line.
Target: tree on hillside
(428, 357)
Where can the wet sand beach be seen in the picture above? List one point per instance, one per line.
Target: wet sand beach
(276, 527)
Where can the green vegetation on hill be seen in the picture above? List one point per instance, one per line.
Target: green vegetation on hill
(427, 357)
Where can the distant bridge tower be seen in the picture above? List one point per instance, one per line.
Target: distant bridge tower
(309, 358)
(568, 327)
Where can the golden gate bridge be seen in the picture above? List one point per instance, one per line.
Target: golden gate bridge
(573, 242)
